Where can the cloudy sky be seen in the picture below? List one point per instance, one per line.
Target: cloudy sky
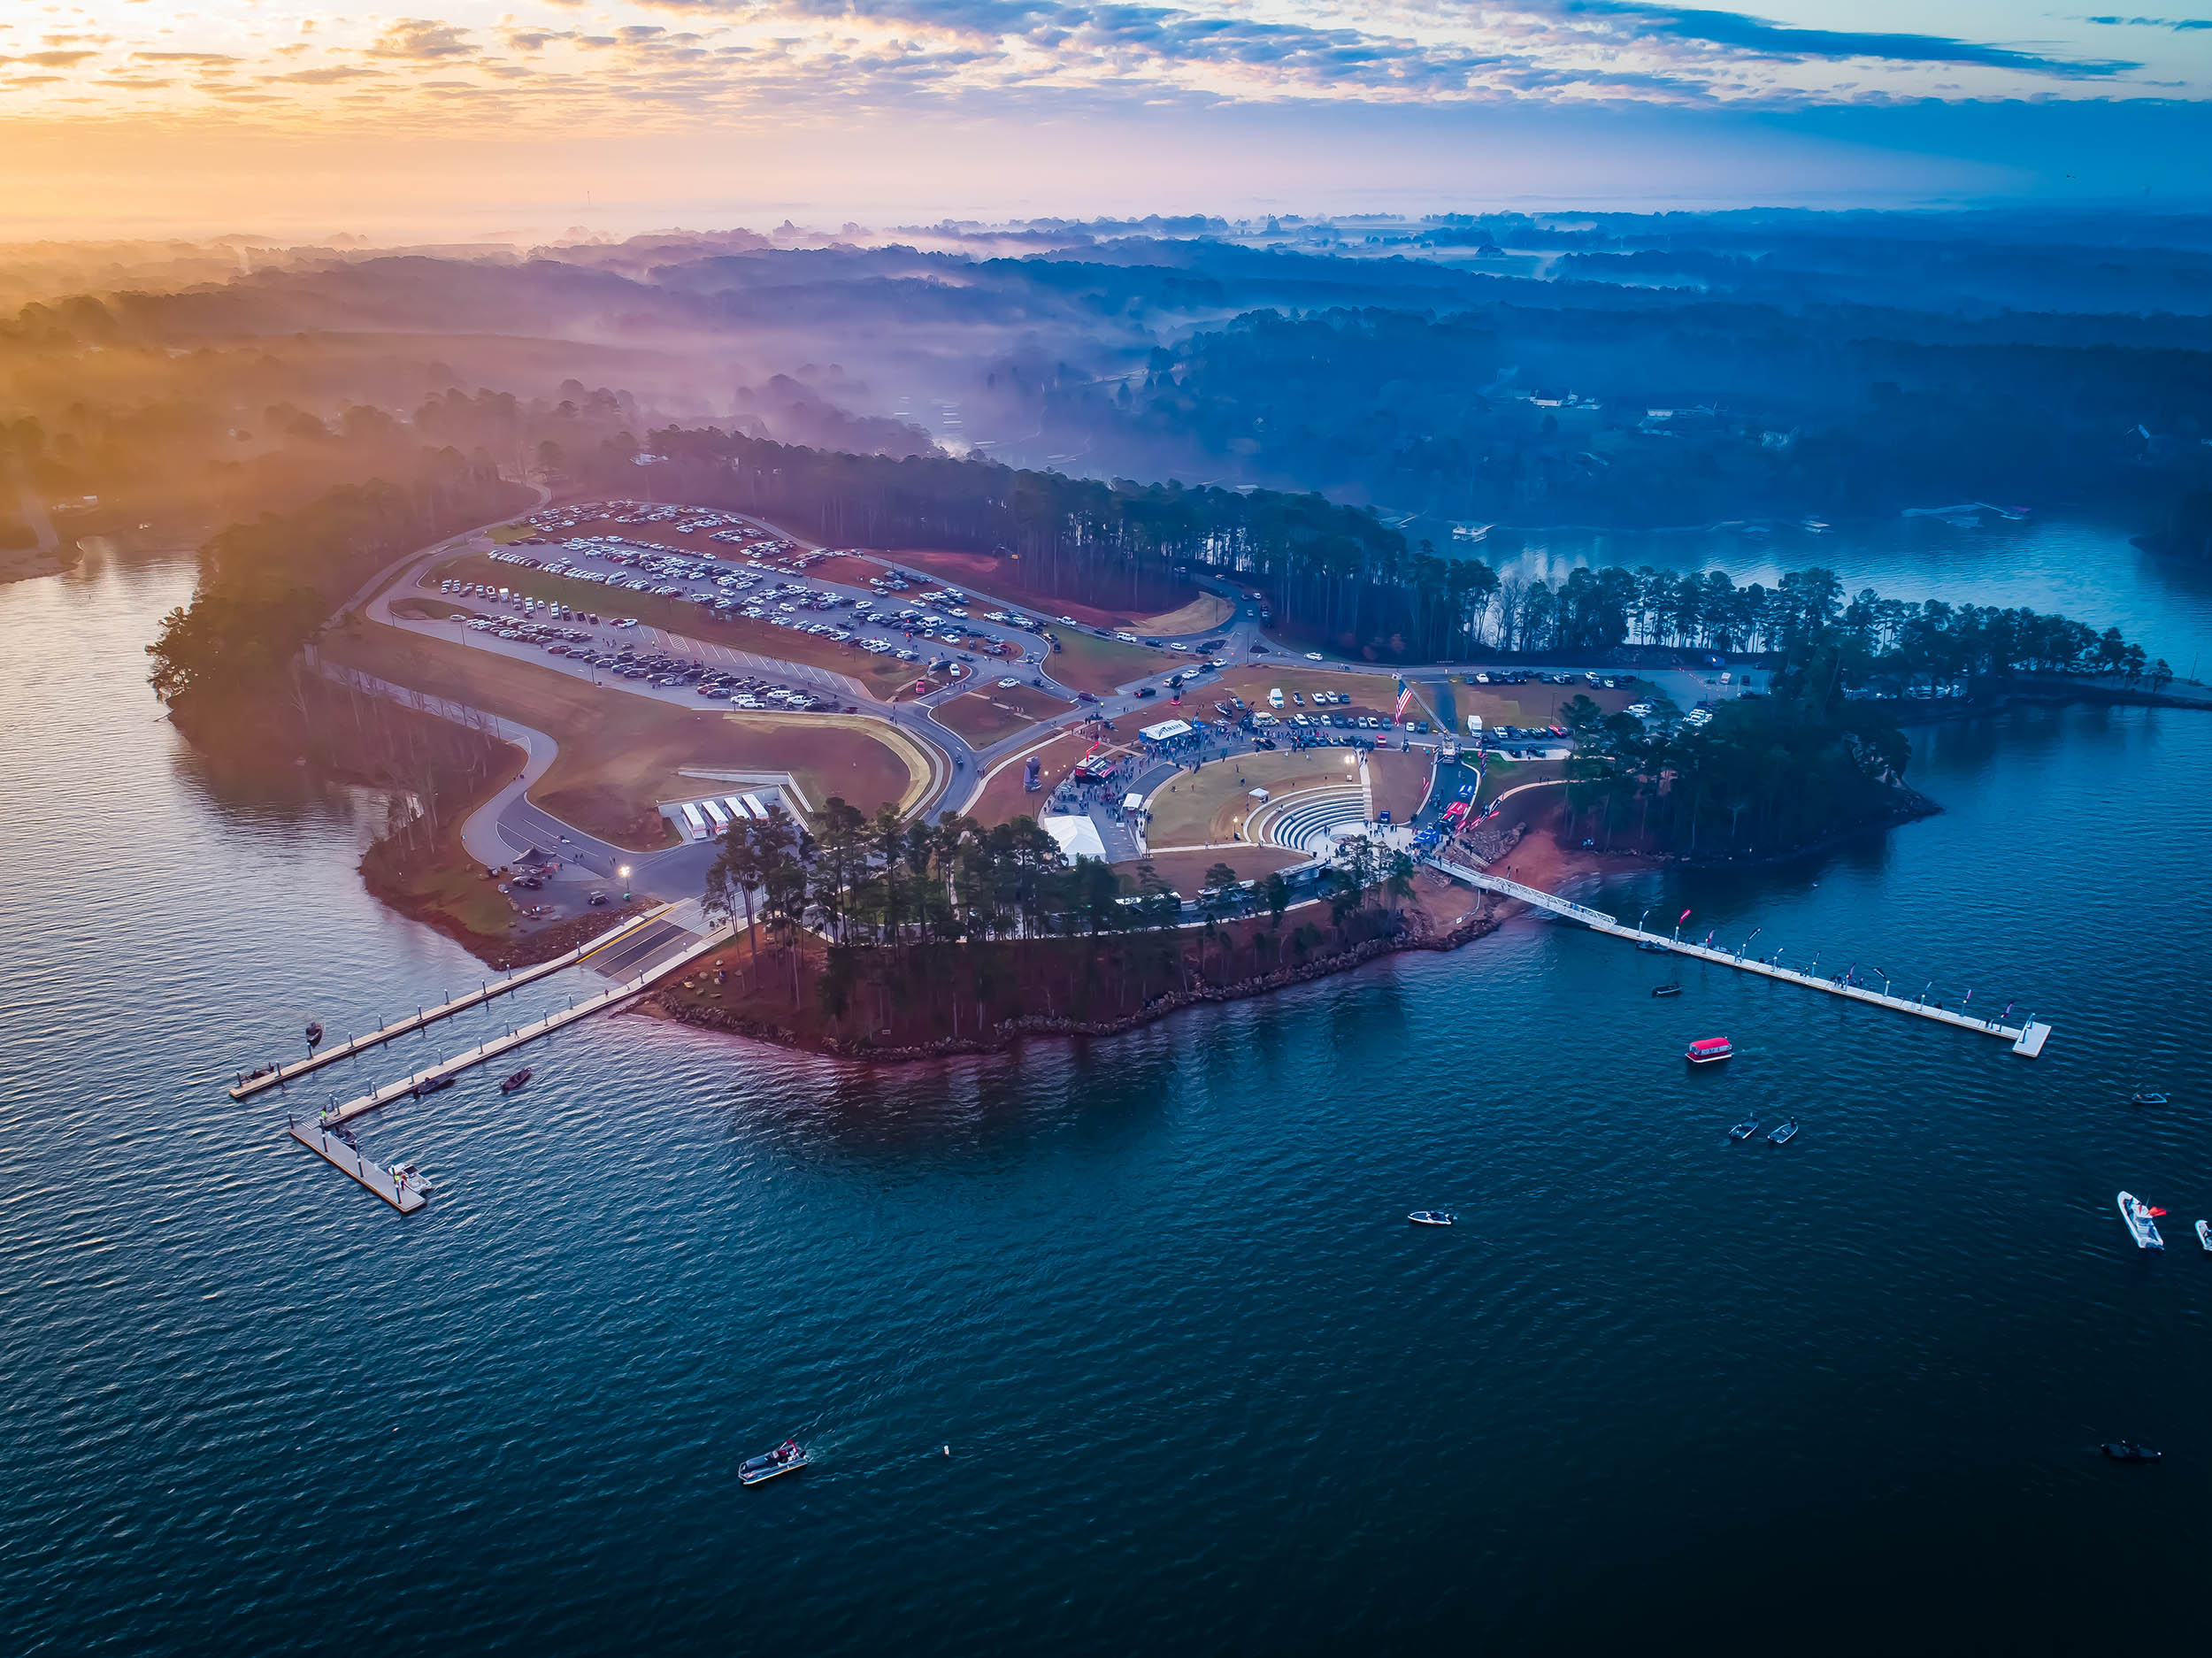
(151, 114)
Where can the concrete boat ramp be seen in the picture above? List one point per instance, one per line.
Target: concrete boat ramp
(2027, 1039)
(671, 947)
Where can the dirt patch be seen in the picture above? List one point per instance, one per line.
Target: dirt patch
(618, 751)
(994, 713)
(1202, 615)
(1004, 798)
(1009, 578)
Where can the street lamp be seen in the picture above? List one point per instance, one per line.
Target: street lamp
(1745, 945)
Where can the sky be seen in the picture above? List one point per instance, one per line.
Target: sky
(147, 117)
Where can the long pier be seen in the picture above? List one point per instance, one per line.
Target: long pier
(2027, 1039)
(248, 1086)
(485, 1052)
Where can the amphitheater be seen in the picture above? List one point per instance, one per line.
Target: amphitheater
(1307, 820)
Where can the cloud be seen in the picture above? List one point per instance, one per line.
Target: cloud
(423, 40)
(183, 58)
(328, 76)
(2178, 24)
(1736, 31)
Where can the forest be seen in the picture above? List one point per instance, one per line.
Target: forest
(897, 905)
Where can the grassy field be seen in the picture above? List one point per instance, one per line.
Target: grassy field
(993, 713)
(1087, 663)
(621, 754)
(676, 616)
(1205, 808)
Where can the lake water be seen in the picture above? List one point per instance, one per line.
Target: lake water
(2087, 571)
(1204, 1390)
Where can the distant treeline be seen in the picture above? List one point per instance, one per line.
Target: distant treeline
(1335, 573)
(267, 587)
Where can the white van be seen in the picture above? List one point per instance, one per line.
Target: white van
(1275, 698)
(1474, 725)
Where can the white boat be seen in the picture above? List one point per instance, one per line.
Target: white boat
(1430, 1217)
(787, 1458)
(2141, 1221)
(2204, 1234)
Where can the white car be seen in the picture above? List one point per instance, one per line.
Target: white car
(1008, 685)
(1642, 710)
(1313, 656)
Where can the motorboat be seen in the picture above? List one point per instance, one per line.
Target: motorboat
(407, 1174)
(1430, 1217)
(1710, 1051)
(2140, 1219)
(2204, 1235)
(1666, 990)
(433, 1084)
(2146, 1097)
(1787, 1133)
(1655, 947)
(2131, 1451)
(788, 1458)
(1744, 1130)
(314, 1032)
(508, 1084)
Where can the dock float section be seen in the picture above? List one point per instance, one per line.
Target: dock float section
(341, 1153)
(248, 1086)
(487, 1051)
(2027, 1039)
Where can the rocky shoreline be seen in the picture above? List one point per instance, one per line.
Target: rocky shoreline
(1010, 1032)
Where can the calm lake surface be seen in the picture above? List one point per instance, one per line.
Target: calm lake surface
(1204, 1390)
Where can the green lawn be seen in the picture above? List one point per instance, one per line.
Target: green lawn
(1087, 663)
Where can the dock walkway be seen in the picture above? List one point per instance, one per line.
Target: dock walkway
(2027, 1039)
(248, 1086)
(487, 1051)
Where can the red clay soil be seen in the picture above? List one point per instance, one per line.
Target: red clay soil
(975, 998)
(1004, 577)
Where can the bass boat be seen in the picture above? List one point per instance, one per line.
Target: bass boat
(2141, 1221)
(788, 1458)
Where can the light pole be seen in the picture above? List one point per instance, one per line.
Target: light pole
(623, 871)
(1745, 945)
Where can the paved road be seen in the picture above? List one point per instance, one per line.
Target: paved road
(510, 824)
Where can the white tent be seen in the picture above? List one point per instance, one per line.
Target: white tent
(1077, 834)
(1166, 730)
(1133, 802)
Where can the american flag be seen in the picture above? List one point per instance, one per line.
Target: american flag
(1405, 695)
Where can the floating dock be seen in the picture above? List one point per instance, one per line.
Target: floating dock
(2027, 1039)
(400, 1192)
(485, 1052)
(248, 1086)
